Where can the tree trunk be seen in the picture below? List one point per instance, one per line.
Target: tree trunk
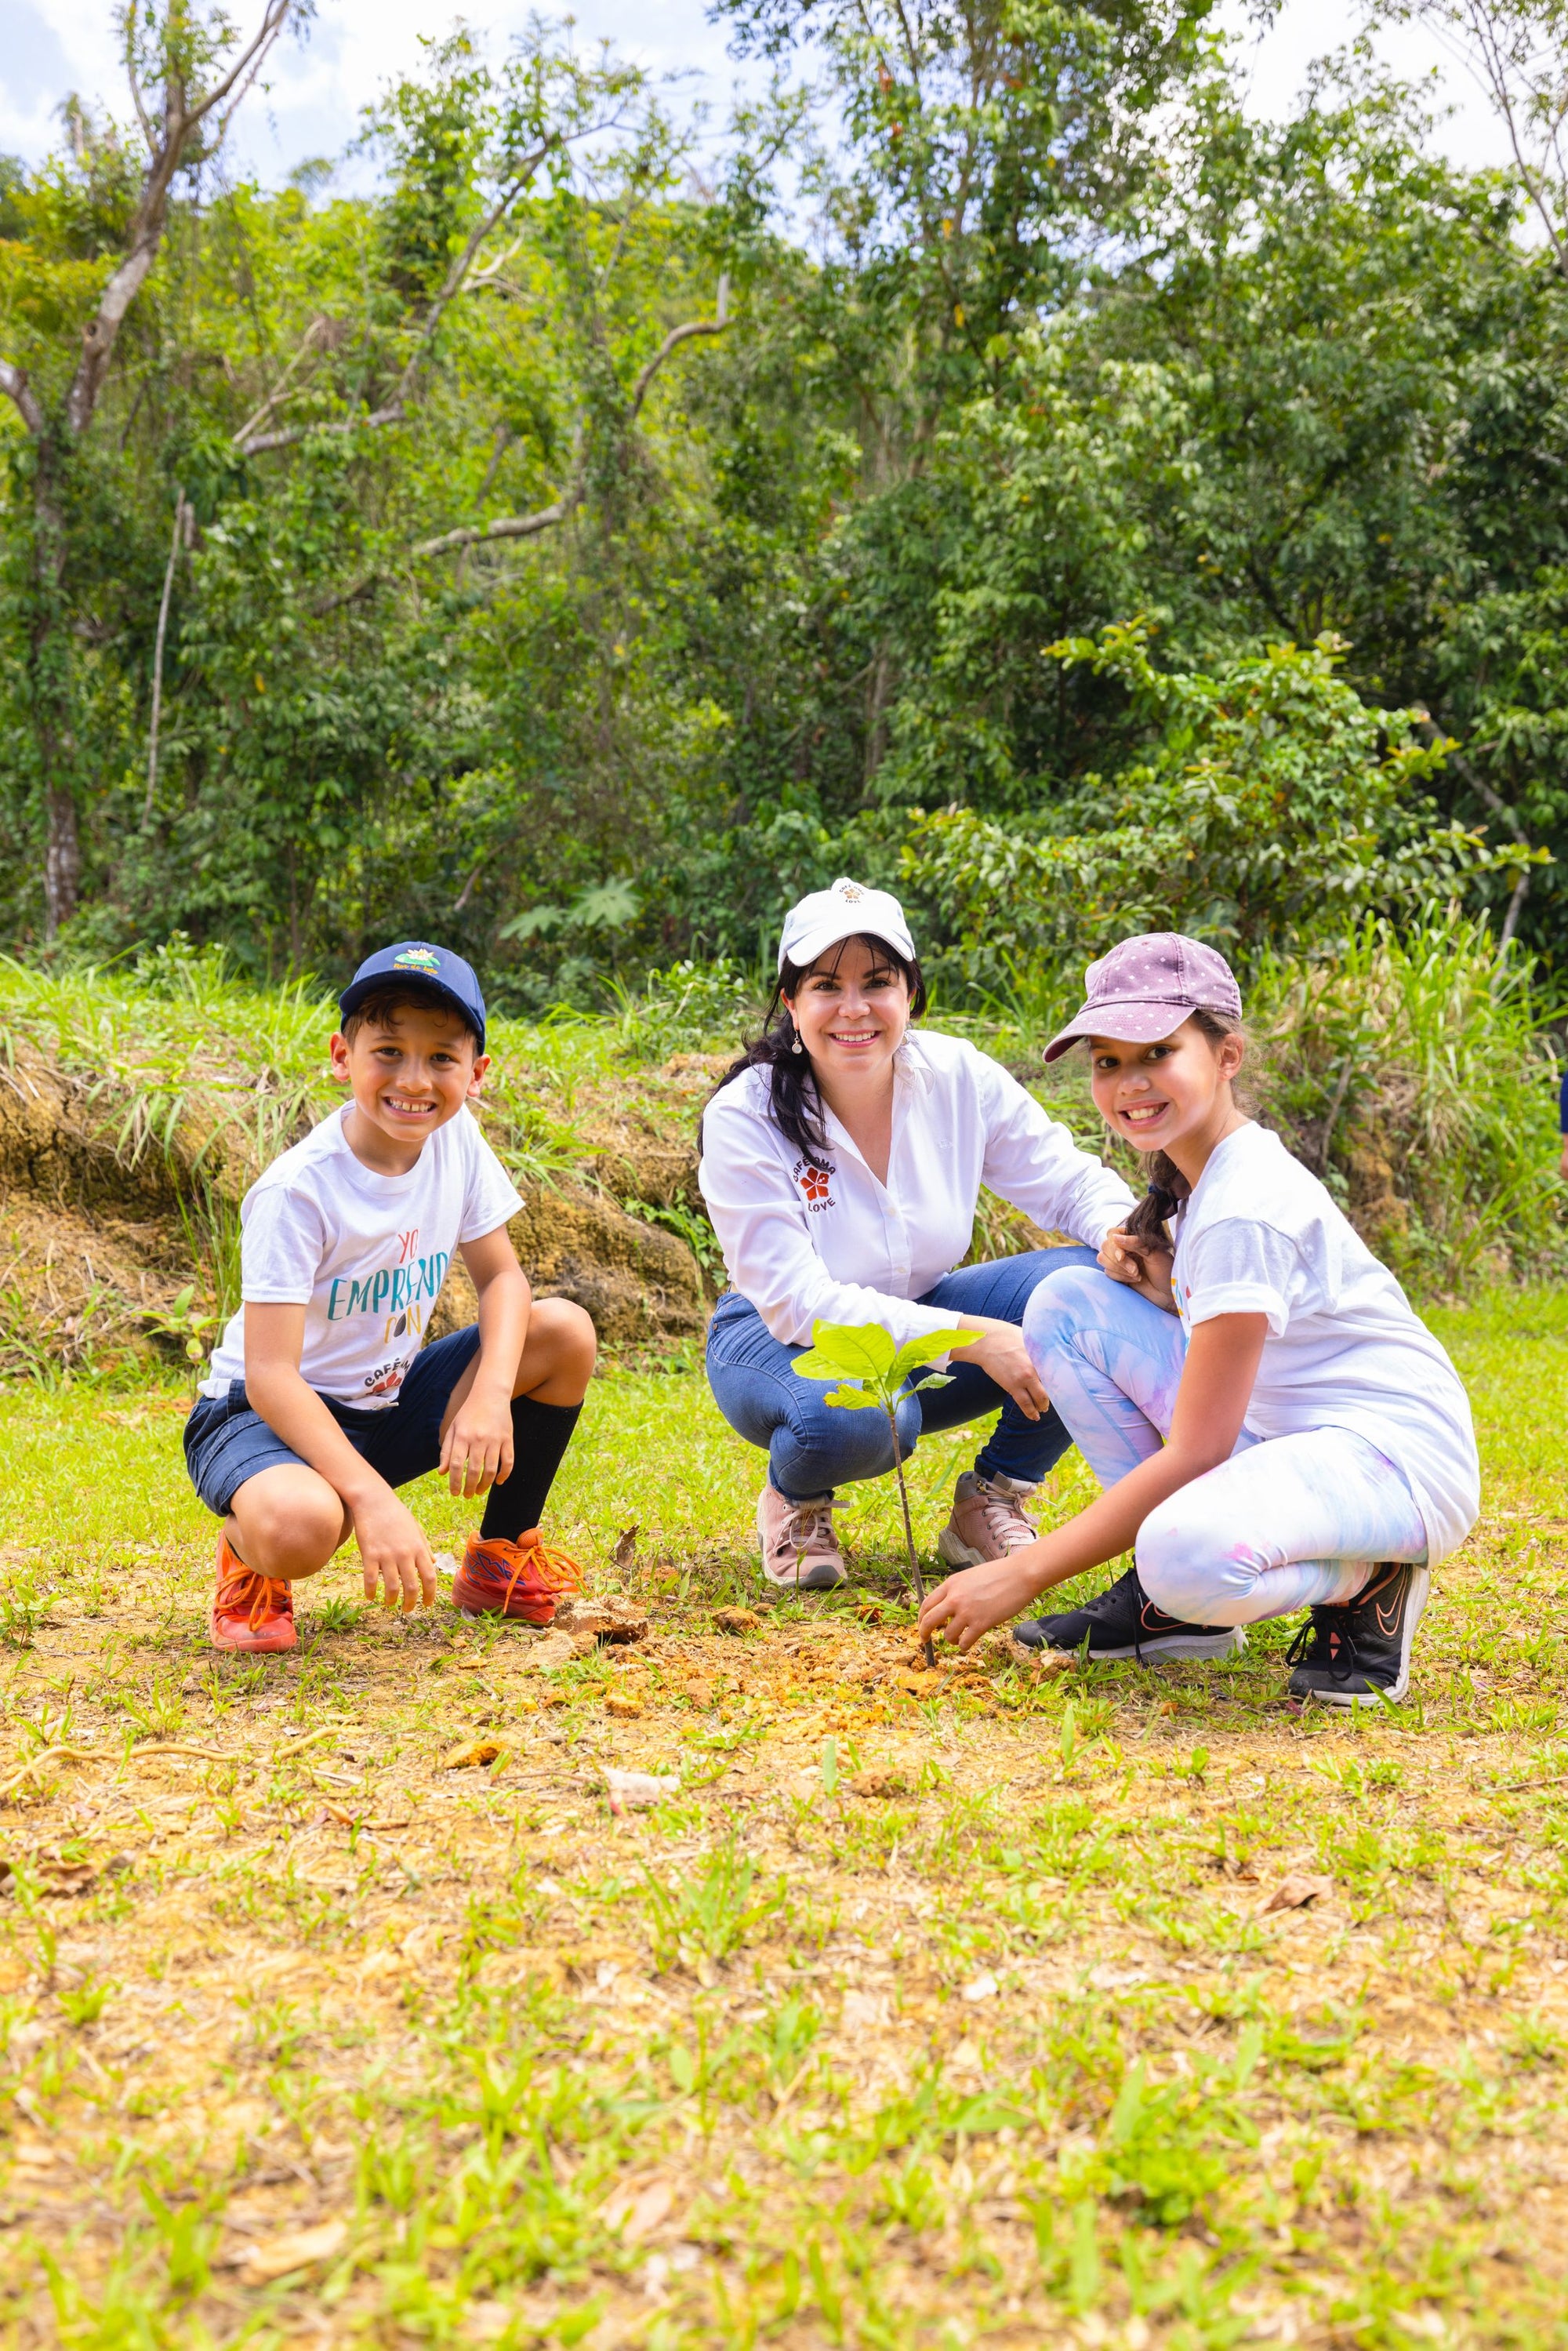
(48, 665)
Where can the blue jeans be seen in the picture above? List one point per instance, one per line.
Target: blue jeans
(814, 1446)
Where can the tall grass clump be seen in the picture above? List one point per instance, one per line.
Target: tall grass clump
(1414, 1072)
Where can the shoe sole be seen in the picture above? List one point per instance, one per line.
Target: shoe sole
(1226, 1644)
(266, 1645)
(1414, 1609)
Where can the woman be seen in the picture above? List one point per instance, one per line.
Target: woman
(842, 1163)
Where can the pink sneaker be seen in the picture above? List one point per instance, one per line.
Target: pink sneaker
(987, 1520)
(799, 1542)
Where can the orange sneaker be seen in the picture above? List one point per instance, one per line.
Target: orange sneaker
(524, 1579)
(249, 1611)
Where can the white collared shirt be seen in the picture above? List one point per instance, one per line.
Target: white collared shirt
(841, 1247)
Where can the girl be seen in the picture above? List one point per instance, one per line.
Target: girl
(1272, 1423)
(843, 1158)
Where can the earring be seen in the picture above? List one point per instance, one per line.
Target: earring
(797, 1046)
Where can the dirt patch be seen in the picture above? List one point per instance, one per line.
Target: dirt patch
(113, 1199)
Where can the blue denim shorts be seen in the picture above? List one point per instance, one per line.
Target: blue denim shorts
(227, 1442)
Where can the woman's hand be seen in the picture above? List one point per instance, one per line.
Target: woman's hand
(1000, 1352)
(972, 1603)
(1143, 1265)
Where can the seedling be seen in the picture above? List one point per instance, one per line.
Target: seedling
(872, 1374)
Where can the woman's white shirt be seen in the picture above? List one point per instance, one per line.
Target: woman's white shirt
(839, 1246)
(1345, 1348)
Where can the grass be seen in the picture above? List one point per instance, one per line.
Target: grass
(925, 2011)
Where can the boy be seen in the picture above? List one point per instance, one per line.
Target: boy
(321, 1397)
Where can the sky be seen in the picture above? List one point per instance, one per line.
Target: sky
(315, 89)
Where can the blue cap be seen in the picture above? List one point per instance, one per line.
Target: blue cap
(433, 971)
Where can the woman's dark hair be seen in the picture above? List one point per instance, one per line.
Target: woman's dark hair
(1168, 1187)
(795, 1106)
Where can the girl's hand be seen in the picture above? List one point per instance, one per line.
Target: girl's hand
(1143, 1265)
(977, 1600)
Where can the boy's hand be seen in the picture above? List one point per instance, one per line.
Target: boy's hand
(1143, 1265)
(394, 1553)
(971, 1603)
(477, 1451)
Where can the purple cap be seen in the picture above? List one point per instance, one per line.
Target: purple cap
(1147, 987)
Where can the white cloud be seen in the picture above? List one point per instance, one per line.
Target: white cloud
(317, 88)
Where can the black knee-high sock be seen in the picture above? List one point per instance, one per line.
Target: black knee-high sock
(540, 1435)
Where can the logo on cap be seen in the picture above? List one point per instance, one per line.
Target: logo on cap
(417, 960)
(852, 893)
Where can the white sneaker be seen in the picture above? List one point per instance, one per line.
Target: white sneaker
(799, 1542)
(987, 1520)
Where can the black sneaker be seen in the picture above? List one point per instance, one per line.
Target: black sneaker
(1360, 1656)
(1124, 1623)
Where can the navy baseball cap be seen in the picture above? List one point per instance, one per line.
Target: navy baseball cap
(433, 971)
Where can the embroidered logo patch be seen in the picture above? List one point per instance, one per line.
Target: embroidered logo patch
(852, 893)
(814, 1183)
(417, 960)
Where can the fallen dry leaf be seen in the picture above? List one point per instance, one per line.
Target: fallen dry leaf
(737, 1620)
(621, 1707)
(879, 1783)
(625, 1549)
(471, 1754)
(635, 2213)
(917, 1685)
(1292, 1893)
(275, 2257)
(633, 1790)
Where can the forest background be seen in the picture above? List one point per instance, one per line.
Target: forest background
(992, 463)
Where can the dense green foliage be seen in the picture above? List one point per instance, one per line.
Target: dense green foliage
(1069, 500)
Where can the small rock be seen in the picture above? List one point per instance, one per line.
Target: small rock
(472, 1754)
(608, 1616)
(636, 1791)
(879, 1783)
(1294, 1892)
(275, 2257)
(983, 1987)
(621, 1707)
(737, 1620)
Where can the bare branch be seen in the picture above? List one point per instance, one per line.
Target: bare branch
(571, 498)
(291, 436)
(508, 526)
(280, 390)
(176, 537)
(13, 383)
(179, 119)
(673, 342)
(520, 179)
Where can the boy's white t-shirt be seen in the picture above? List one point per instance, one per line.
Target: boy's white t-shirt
(364, 1254)
(1344, 1349)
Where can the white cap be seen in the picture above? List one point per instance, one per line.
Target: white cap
(844, 912)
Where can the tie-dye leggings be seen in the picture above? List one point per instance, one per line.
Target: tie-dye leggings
(1285, 1522)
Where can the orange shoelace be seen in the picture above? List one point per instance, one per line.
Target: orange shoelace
(549, 1570)
(267, 1596)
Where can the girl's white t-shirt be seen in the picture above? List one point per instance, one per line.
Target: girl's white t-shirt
(364, 1254)
(1344, 1349)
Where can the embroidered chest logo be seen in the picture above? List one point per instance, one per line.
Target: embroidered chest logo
(814, 1183)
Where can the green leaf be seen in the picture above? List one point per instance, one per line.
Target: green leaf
(847, 1350)
(915, 1351)
(855, 1399)
(936, 1380)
